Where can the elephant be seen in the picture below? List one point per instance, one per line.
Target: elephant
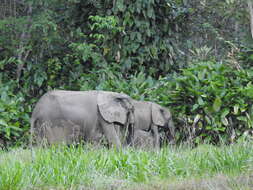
(143, 139)
(149, 116)
(69, 116)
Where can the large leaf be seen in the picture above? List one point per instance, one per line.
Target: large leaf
(225, 112)
(224, 121)
(236, 109)
(217, 104)
(3, 123)
(200, 101)
(120, 5)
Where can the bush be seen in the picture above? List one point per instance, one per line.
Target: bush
(211, 101)
(14, 121)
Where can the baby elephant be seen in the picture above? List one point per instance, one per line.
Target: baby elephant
(143, 139)
(152, 118)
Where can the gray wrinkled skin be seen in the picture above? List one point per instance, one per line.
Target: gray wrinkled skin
(144, 124)
(143, 139)
(71, 116)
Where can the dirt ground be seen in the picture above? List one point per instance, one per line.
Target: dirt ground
(219, 182)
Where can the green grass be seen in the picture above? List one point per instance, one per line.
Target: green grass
(99, 168)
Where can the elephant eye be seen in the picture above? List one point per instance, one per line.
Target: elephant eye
(118, 99)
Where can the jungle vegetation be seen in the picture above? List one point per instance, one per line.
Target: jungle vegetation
(193, 57)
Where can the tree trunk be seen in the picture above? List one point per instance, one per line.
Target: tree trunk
(23, 54)
(250, 6)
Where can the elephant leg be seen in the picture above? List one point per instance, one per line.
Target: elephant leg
(154, 129)
(110, 133)
(41, 132)
(124, 134)
(171, 132)
(118, 131)
(130, 135)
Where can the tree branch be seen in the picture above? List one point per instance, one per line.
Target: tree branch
(250, 6)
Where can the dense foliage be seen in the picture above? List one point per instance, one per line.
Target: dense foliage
(172, 52)
(213, 101)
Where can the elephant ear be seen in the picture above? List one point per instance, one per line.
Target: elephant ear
(111, 106)
(160, 115)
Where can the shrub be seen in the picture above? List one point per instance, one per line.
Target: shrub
(14, 121)
(211, 101)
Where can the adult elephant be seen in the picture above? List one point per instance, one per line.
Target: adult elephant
(151, 117)
(68, 116)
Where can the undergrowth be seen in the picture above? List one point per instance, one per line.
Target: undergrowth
(89, 167)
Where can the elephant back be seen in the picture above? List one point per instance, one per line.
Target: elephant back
(114, 107)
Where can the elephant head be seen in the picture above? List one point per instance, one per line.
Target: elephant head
(163, 119)
(117, 108)
(152, 117)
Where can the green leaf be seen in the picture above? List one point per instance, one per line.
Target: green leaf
(150, 12)
(225, 113)
(200, 101)
(224, 121)
(15, 128)
(195, 106)
(3, 123)
(120, 5)
(201, 74)
(217, 104)
(236, 108)
(196, 119)
(4, 96)
(242, 118)
(148, 32)
(208, 120)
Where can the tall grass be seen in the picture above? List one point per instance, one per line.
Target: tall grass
(85, 166)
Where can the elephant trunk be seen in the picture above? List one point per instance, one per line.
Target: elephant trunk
(129, 125)
(170, 133)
